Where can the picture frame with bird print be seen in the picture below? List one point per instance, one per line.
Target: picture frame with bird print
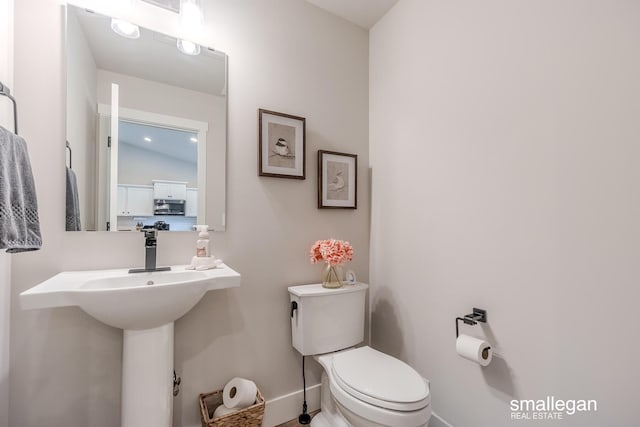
(337, 180)
(281, 145)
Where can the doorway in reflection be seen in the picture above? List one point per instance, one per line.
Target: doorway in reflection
(157, 177)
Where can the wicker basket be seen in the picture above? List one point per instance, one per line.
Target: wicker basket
(249, 417)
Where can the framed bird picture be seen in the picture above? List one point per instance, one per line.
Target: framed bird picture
(337, 180)
(281, 145)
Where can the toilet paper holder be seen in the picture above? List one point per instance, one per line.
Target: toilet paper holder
(478, 315)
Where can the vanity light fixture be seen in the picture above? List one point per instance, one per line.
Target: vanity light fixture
(191, 23)
(125, 28)
(188, 48)
(191, 15)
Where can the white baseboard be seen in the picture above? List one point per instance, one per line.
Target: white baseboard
(438, 421)
(286, 408)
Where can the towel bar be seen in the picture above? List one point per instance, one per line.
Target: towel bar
(70, 154)
(4, 91)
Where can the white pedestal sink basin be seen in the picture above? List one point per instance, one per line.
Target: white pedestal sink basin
(145, 305)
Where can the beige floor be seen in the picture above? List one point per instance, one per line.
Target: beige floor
(294, 423)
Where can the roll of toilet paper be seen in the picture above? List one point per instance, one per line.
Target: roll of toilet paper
(239, 393)
(221, 411)
(474, 349)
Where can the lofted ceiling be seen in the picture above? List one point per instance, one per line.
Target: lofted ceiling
(153, 56)
(364, 13)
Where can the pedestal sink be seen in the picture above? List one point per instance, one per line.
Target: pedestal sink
(145, 305)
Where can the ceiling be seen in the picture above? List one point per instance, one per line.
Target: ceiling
(364, 13)
(153, 56)
(169, 142)
(172, 5)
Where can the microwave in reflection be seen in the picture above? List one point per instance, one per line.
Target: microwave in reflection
(168, 207)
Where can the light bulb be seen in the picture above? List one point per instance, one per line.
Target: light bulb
(190, 14)
(189, 48)
(125, 29)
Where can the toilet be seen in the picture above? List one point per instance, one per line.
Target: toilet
(361, 387)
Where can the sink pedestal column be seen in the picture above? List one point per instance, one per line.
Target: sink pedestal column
(147, 377)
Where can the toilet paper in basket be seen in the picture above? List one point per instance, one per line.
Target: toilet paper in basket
(239, 393)
(221, 411)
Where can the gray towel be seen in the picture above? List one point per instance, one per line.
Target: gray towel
(73, 204)
(19, 226)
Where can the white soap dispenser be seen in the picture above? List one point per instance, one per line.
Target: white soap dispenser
(203, 260)
(202, 245)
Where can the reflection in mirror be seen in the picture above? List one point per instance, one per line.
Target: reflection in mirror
(146, 124)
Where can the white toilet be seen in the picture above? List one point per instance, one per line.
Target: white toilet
(361, 387)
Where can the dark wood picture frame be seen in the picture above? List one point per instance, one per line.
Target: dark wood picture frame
(289, 133)
(332, 179)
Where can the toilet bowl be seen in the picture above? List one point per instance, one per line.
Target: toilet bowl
(361, 387)
(367, 388)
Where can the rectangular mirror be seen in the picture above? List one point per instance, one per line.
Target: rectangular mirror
(146, 128)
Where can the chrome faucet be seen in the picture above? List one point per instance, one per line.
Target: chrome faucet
(150, 246)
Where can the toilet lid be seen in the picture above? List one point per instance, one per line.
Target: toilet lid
(380, 379)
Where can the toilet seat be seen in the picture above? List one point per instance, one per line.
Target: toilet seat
(380, 380)
(351, 401)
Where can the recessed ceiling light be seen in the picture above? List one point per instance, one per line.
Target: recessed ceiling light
(125, 29)
(192, 139)
(189, 48)
(146, 138)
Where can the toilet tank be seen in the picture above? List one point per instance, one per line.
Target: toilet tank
(327, 320)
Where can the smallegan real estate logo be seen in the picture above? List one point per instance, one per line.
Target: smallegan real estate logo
(549, 408)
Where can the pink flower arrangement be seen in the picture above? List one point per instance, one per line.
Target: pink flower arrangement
(332, 251)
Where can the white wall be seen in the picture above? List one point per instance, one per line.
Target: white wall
(139, 166)
(6, 120)
(284, 55)
(5, 331)
(161, 98)
(504, 148)
(82, 98)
